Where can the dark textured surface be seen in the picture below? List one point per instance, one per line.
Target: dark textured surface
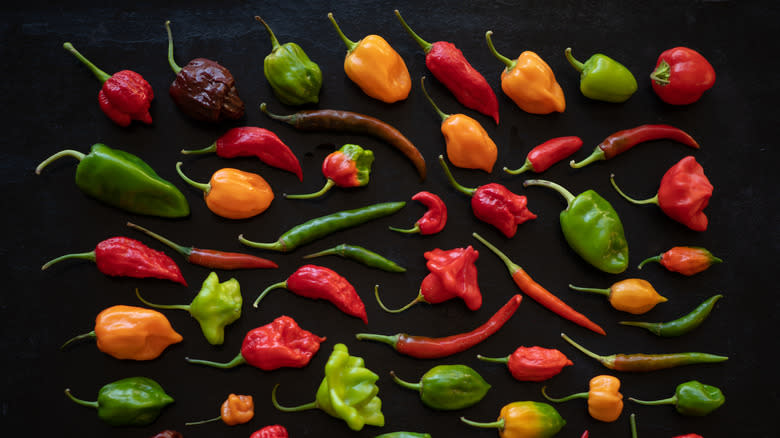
(51, 104)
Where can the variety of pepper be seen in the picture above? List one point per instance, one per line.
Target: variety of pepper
(632, 295)
(273, 431)
(525, 419)
(350, 166)
(691, 398)
(603, 78)
(433, 221)
(687, 260)
(681, 76)
(682, 325)
(448, 387)
(360, 254)
(237, 409)
(404, 435)
(233, 193)
(168, 434)
(542, 157)
(532, 364)
(134, 401)
(605, 402)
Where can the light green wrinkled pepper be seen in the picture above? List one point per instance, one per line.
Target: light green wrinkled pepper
(348, 392)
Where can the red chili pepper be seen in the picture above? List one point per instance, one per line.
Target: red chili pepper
(533, 364)
(681, 76)
(683, 195)
(686, 260)
(423, 347)
(125, 95)
(451, 68)
(548, 153)
(624, 140)
(689, 435)
(168, 434)
(275, 431)
(318, 282)
(251, 141)
(433, 221)
(349, 166)
(585, 434)
(125, 257)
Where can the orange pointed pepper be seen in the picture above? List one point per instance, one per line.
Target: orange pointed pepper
(375, 67)
(234, 194)
(632, 295)
(605, 402)
(530, 82)
(237, 409)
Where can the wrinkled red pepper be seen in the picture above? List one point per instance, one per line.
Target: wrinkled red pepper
(433, 221)
(687, 260)
(542, 157)
(275, 431)
(533, 364)
(681, 76)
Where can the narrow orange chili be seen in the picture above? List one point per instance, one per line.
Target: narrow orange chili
(605, 402)
(632, 295)
(687, 260)
(234, 194)
(237, 409)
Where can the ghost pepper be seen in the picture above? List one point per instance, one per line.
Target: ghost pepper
(687, 260)
(533, 364)
(350, 166)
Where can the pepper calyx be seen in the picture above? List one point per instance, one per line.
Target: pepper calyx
(661, 73)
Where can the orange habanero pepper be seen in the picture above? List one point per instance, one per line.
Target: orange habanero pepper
(128, 332)
(530, 82)
(237, 409)
(605, 402)
(632, 295)
(375, 67)
(234, 194)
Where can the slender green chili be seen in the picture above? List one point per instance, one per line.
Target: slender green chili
(360, 254)
(682, 325)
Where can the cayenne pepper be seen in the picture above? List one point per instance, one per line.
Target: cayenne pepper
(532, 364)
(542, 157)
(687, 260)
(433, 221)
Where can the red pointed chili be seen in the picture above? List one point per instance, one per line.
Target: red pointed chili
(687, 260)
(542, 157)
(433, 221)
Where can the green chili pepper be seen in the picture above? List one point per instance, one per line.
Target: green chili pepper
(681, 325)
(592, 228)
(123, 180)
(691, 398)
(322, 226)
(216, 306)
(134, 401)
(603, 78)
(360, 254)
(448, 387)
(404, 435)
(348, 392)
(295, 79)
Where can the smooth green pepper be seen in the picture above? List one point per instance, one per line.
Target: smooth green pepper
(691, 398)
(123, 180)
(216, 306)
(294, 77)
(592, 228)
(449, 387)
(134, 401)
(404, 435)
(603, 78)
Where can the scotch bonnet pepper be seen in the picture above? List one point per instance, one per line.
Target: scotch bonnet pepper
(525, 419)
(350, 166)
(236, 409)
(632, 295)
(687, 260)
(605, 402)
(448, 387)
(134, 401)
(433, 221)
(603, 78)
(681, 76)
(691, 398)
(533, 364)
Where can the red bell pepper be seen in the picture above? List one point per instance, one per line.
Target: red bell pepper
(681, 76)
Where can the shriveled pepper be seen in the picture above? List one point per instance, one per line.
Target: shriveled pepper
(273, 431)
(128, 332)
(525, 419)
(592, 228)
(605, 402)
(350, 166)
(529, 82)
(533, 364)
(683, 194)
(360, 254)
(542, 157)
(216, 306)
(134, 401)
(687, 260)
(125, 257)
(280, 343)
(295, 79)
(233, 193)
(123, 180)
(681, 76)
(682, 325)
(237, 409)
(375, 67)
(348, 392)
(632, 295)
(494, 204)
(603, 78)
(252, 141)
(125, 96)
(691, 398)
(433, 221)
(318, 282)
(448, 387)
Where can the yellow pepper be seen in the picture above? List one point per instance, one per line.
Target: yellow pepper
(530, 82)
(237, 409)
(234, 194)
(605, 402)
(375, 67)
(632, 295)
(525, 419)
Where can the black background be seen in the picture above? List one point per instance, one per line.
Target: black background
(50, 104)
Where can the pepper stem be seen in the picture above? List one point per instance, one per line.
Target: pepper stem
(238, 360)
(441, 113)
(596, 155)
(90, 335)
(513, 267)
(162, 306)
(405, 384)
(550, 185)
(328, 185)
(574, 63)
(509, 63)
(465, 190)
(603, 359)
(176, 69)
(418, 299)
(100, 74)
(525, 167)
(183, 250)
(667, 401)
(291, 119)
(563, 399)
(274, 41)
(90, 404)
(414, 230)
(67, 152)
(307, 406)
(281, 284)
(426, 46)
(350, 44)
(82, 255)
(654, 327)
(389, 340)
(504, 359)
(661, 73)
(275, 246)
(649, 260)
(206, 150)
(632, 421)
(211, 420)
(653, 200)
(591, 289)
(496, 424)
(336, 250)
(201, 186)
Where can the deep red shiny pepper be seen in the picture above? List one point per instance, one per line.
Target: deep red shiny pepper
(689, 435)
(542, 157)
(533, 364)
(687, 260)
(251, 141)
(681, 76)
(434, 220)
(275, 431)
(280, 343)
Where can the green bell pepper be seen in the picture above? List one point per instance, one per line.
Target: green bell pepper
(691, 398)
(134, 401)
(603, 78)
(592, 228)
(449, 387)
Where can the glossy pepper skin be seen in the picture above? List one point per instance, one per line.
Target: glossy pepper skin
(447, 64)
(434, 219)
(603, 78)
(134, 401)
(692, 398)
(404, 435)
(350, 166)
(125, 257)
(681, 76)
(375, 67)
(681, 325)
(123, 180)
(533, 364)
(361, 255)
(632, 295)
(605, 402)
(687, 260)
(529, 82)
(448, 387)
(125, 96)
(128, 332)
(168, 434)
(236, 409)
(542, 157)
(273, 431)
(525, 419)
(295, 79)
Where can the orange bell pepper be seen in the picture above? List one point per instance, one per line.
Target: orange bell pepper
(375, 67)
(234, 194)
(605, 402)
(237, 409)
(530, 82)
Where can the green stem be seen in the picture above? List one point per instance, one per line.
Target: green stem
(654, 327)
(414, 230)
(274, 41)
(661, 73)
(632, 421)
(162, 306)
(207, 150)
(656, 259)
(93, 404)
(211, 420)
(336, 250)
(426, 46)
(82, 255)
(201, 186)
(328, 185)
(292, 119)
(100, 74)
(574, 63)
(382, 306)
(274, 246)
(550, 185)
(90, 335)
(603, 359)
(653, 200)
(493, 359)
(441, 113)
(281, 284)
(405, 384)
(465, 190)
(307, 406)
(591, 289)
(667, 401)
(350, 44)
(496, 424)
(509, 63)
(525, 167)
(176, 69)
(183, 250)
(563, 399)
(510, 265)
(596, 155)
(238, 360)
(67, 152)
(389, 340)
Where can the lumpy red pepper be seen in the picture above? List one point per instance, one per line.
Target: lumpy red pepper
(274, 431)
(433, 221)
(533, 364)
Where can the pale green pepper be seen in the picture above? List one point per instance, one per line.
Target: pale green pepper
(603, 78)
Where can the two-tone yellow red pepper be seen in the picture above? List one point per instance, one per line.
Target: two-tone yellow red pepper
(234, 194)
(632, 295)
(605, 402)
(525, 419)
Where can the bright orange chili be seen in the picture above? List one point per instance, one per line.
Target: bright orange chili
(234, 194)
(237, 409)
(632, 295)
(605, 402)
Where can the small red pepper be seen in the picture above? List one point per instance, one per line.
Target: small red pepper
(349, 166)
(548, 153)
(687, 260)
(251, 141)
(318, 282)
(125, 257)
(533, 364)
(433, 221)
(681, 76)
(683, 194)
(275, 431)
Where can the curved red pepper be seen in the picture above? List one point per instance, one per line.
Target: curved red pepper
(542, 157)
(681, 76)
(433, 221)
(274, 431)
(281, 343)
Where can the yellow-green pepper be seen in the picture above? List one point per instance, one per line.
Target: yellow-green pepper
(525, 419)
(603, 78)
